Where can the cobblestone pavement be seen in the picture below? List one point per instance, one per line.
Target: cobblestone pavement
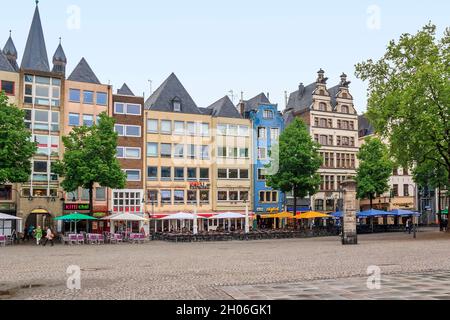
(271, 269)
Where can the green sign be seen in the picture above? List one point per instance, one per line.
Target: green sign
(77, 207)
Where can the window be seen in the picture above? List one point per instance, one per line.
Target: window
(88, 120)
(152, 173)
(179, 151)
(7, 87)
(204, 196)
(345, 109)
(166, 196)
(243, 153)
(88, 97)
(406, 190)
(222, 173)
(322, 106)
(74, 95)
(222, 152)
(166, 173)
(152, 126)
(191, 151)
(261, 174)
(178, 196)
(152, 149)
(233, 173)
(133, 175)
(72, 196)
(132, 131)
(268, 114)
(84, 194)
(204, 131)
(5, 193)
(232, 130)
(178, 127)
(319, 205)
(166, 126)
(234, 196)
(166, 150)
(243, 131)
(274, 134)
(221, 129)
(243, 195)
(176, 105)
(152, 196)
(204, 152)
(42, 91)
(222, 196)
(192, 196)
(190, 128)
(47, 145)
(232, 153)
(262, 153)
(179, 173)
(119, 129)
(74, 119)
(395, 190)
(395, 173)
(133, 109)
(102, 98)
(119, 108)
(100, 194)
(261, 133)
(405, 171)
(192, 173)
(128, 153)
(243, 174)
(204, 174)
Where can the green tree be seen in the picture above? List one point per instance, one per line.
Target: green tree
(16, 146)
(295, 163)
(90, 157)
(375, 169)
(409, 97)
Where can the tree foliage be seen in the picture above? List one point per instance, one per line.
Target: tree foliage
(375, 169)
(409, 97)
(16, 145)
(91, 157)
(295, 163)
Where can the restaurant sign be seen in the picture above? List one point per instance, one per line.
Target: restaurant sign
(199, 186)
(77, 207)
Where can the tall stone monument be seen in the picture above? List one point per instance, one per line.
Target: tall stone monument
(350, 235)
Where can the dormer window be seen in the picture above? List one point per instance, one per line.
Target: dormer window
(345, 109)
(268, 114)
(176, 103)
(322, 107)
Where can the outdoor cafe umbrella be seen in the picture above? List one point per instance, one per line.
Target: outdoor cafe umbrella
(75, 217)
(7, 217)
(312, 215)
(126, 217)
(404, 213)
(228, 216)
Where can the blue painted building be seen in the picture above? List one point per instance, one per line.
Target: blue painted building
(267, 124)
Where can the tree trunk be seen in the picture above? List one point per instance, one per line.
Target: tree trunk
(440, 208)
(91, 203)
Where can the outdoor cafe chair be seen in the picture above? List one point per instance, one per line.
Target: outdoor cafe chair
(100, 239)
(73, 239)
(92, 239)
(80, 239)
(2, 240)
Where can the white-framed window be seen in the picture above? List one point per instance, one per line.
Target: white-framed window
(100, 194)
(274, 134)
(128, 130)
(88, 120)
(133, 175)
(128, 153)
(262, 153)
(221, 129)
(178, 128)
(127, 108)
(42, 120)
(166, 126)
(204, 152)
(152, 126)
(268, 114)
(262, 133)
(234, 195)
(127, 201)
(244, 131)
(232, 130)
(42, 91)
(74, 119)
(152, 149)
(47, 145)
(204, 130)
(232, 174)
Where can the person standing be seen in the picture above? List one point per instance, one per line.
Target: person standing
(49, 237)
(38, 235)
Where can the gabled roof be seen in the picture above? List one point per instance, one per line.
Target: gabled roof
(83, 73)
(171, 89)
(5, 65)
(35, 56)
(224, 108)
(59, 55)
(302, 98)
(125, 91)
(10, 52)
(255, 102)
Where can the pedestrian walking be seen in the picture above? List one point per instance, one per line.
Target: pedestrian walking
(49, 237)
(38, 234)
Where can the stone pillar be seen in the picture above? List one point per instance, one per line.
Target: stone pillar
(350, 235)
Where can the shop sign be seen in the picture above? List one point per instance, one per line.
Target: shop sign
(199, 186)
(77, 207)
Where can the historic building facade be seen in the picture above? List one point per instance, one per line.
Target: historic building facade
(85, 99)
(267, 125)
(195, 156)
(128, 112)
(333, 123)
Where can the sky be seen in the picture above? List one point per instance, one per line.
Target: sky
(219, 46)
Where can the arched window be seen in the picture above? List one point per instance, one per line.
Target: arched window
(345, 109)
(322, 106)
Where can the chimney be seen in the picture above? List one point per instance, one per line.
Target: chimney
(242, 104)
(301, 90)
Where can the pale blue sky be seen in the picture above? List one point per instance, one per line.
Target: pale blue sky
(218, 46)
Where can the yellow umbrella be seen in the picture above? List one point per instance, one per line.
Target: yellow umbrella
(312, 215)
(283, 215)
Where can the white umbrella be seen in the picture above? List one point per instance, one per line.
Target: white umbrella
(180, 216)
(126, 217)
(247, 220)
(195, 227)
(4, 216)
(228, 215)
